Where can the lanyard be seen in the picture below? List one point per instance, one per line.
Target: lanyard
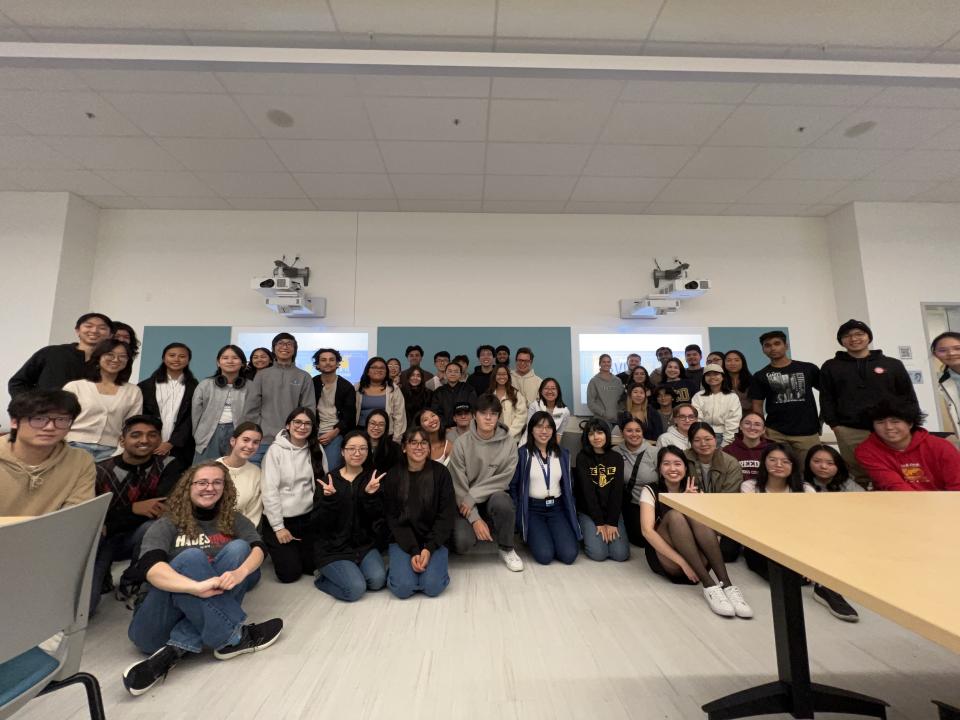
(544, 468)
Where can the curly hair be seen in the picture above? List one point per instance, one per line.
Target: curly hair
(180, 507)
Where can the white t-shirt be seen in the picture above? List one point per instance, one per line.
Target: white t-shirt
(750, 486)
(538, 481)
(647, 498)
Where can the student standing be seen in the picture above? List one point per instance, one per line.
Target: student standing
(512, 403)
(291, 464)
(480, 379)
(217, 404)
(718, 405)
(663, 398)
(693, 355)
(600, 494)
(502, 356)
(633, 362)
(336, 403)
(604, 392)
(125, 333)
(663, 354)
(394, 370)
(416, 397)
(452, 394)
(168, 395)
(376, 391)
(440, 361)
(855, 380)
(106, 400)
(549, 398)
(542, 490)
(247, 477)
(748, 445)
(420, 508)
(524, 378)
(946, 348)
(735, 365)
(52, 367)
(639, 469)
(348, 525)
(676, 381)
(260, 359)
(414, 355)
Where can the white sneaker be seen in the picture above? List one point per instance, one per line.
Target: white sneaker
(736, 600)
(512, 560)
(717, 600)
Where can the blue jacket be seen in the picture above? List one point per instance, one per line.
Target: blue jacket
(520, 492)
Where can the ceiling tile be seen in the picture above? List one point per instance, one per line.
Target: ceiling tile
(944, 192)
(606, 208)
(14, 34)
(949, 139)
(408, 156)
(440, 205)
(183, 114)
(777, 93)
(539, 88)
(262, 203)
(616, 19)
(313, 117)
(805, 192)
(223, 154)
(437, 187)
(115, 202)
(685, 208)
(122, 36)
(252, 184)
(669, 124)
(8, 180)
(527, 187)
(937, 165)
(430, 43)
(770, 210)
(689, 190)
(63, 113)
(523, 206)
(617, 189)
(686, 91)
(638, 160)
(80, 182)
(834, 164)
(918, 97)
(562, 121)
(30, 153)
(428, 118)
(185, 203)
(346, 186)
(535, 158)
(115, 153)
(9, 128)
(262, 38)
(329, 156)
(416, 17)
(357, 204)
(743, 162)
(878, 191)
(777, 125)
(289, 83)
(820, 210)
(437, 86)
(895, 127)
(150, 81)
(13, 78)
(711, 49)
(567, 45)
(145, 184)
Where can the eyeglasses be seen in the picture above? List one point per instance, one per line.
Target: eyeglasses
(419, 444)
(113, 357)
(208, 483)
(376, 425)
(686, 417)
(358, 450)
(285, 343)
(301, 423)
(856, 335)
(779, 461)
(61, 422)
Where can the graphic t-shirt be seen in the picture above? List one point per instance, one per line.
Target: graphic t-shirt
(788, 392)
(164, 536)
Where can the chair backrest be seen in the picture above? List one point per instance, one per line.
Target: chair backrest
(46, 566)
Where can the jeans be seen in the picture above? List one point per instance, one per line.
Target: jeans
(549, 535)
(219, 445)
(348, 581)
(119, 546)
(187, 621)
(334, 456)
(99, 452)
(596, 548)
(499, 513)
(404, 582)
(257, 457)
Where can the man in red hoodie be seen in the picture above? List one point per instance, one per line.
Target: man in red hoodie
(900, 455)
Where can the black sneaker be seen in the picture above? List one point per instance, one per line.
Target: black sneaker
(141, 676)
(254, 637)
(107, 585)
(835, 603)
(127, 593)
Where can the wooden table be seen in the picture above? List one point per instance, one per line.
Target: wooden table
(891, 552)
(10, 519)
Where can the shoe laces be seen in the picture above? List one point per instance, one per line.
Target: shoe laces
(733, 593)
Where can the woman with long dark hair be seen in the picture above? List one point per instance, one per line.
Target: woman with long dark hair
(599, 496)
(825, 470)
(735, 365)
(676, 381)
(218, 404)
(639, 407)
(168, 395)
(779, 472)
(550, 399)
(416, 396)
(376, 391)
(513, 404)
(260, 359)
(384, 452)
(432, 424)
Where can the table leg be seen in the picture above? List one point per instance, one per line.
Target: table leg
(947, 712)
(793, 693)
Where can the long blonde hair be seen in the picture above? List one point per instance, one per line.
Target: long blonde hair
(180, 506)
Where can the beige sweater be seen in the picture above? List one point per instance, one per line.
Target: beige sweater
(102, 416)
(63, 479)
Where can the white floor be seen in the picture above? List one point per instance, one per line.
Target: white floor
(594, 640)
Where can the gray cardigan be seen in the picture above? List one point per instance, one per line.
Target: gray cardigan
(208, 401)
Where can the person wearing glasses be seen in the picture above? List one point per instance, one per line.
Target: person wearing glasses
(524, 379)
(684, 415)
(275, 391)
(946, 348)
(106, 400)
(39, 472)
(287, 486)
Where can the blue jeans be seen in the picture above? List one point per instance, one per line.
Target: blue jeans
(119, 546)
(334, 456)
(549, 535)
(219, 445)
(404, 582)
(596, 548)
(99, 452)
(187, 621)
(257, 457)
(348, 581)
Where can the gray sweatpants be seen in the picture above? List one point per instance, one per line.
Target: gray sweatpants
(498, 512)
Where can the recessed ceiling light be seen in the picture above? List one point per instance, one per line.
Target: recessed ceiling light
(280, 118)
(859, 129)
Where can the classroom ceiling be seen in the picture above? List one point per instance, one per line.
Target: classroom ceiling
(127, 137)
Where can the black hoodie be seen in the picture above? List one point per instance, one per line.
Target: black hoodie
(599, 486)
(849, 386)
(445, 398)
(349, 523)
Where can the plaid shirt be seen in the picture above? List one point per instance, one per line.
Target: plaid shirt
(133, 483)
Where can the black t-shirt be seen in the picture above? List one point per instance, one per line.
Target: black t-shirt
(788, 391)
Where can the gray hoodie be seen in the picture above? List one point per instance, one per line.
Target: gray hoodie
(603, 398)
(482, 467)
(274, 393)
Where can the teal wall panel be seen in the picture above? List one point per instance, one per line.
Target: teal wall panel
(204, 342)
(744, 339)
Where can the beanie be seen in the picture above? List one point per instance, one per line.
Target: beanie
(854, 325)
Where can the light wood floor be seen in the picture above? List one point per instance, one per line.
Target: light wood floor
(594, 640)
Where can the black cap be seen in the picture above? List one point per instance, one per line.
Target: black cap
(854, 325)
(462, 407)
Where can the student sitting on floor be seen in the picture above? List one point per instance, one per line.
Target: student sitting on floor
(420, 508)
(542, 491)
(681, 549)
(600, 494)
(247, 477)
(200, 559)
(348, 525)
(639, 469)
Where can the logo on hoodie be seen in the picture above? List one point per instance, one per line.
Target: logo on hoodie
(603, 474)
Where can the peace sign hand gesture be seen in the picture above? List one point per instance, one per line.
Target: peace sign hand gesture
(374, 484)
(328, 488)
(692, 485)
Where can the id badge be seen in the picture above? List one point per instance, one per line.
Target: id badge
(549, 502)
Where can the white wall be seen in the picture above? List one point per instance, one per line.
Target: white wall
(846, 266)
(75, 275)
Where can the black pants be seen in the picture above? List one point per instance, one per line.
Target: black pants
(500, 515)
(631, 521)
(757, 563)
(295, 558)
(730, 549)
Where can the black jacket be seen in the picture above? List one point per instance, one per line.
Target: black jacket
(849, 385)
(599, 486)
(425, 519)
(349, 523)
(480, 381)
(445, 397)
(345, 401)
(182, 436)
(49, 368)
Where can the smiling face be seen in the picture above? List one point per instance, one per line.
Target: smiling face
(486, 358)
(638, 376)
(377, 372)
(714, 380)
(430, 421)
(417, 450)
(542, 433)
(440, 363)
(393, 367)
(246, 445)
(300, 428)
(140, 442)
(452, 373)
(732, 363)
(715, 357)
(92, 331)
(704, 443)
(752, 427)
(605, 363)
(893, 431)
(672, 370)
(260, 359)
(550, 392)
(684, 418)
(415, 377)
(355, 452)
(502, 377)
(176, 359)
(284, 350)
(376, 426)
(693, 358)
(503, 357)
(207, 487)
(597, 440)
(524, 361)
(673, 470)
(229, 362)
(632, 435)
(855, 341)
(947, 351)
(327, 363)
(638, 394)
(664, 354)
(115, 360)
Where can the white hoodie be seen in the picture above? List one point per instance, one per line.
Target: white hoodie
(722, 410)
(287, 480)
(674, 437)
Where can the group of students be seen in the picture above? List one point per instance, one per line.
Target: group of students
(372, 486)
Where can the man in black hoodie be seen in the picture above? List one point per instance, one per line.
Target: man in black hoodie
(480, 380)
(853, 381)
(446, 397)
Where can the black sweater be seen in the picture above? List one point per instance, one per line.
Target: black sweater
(349, 523)
(182, 436)
(480, 381)
(599, 487)
(849, 385)
(446, 397)
(344, 400)
(49, 368)
(425, 519)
